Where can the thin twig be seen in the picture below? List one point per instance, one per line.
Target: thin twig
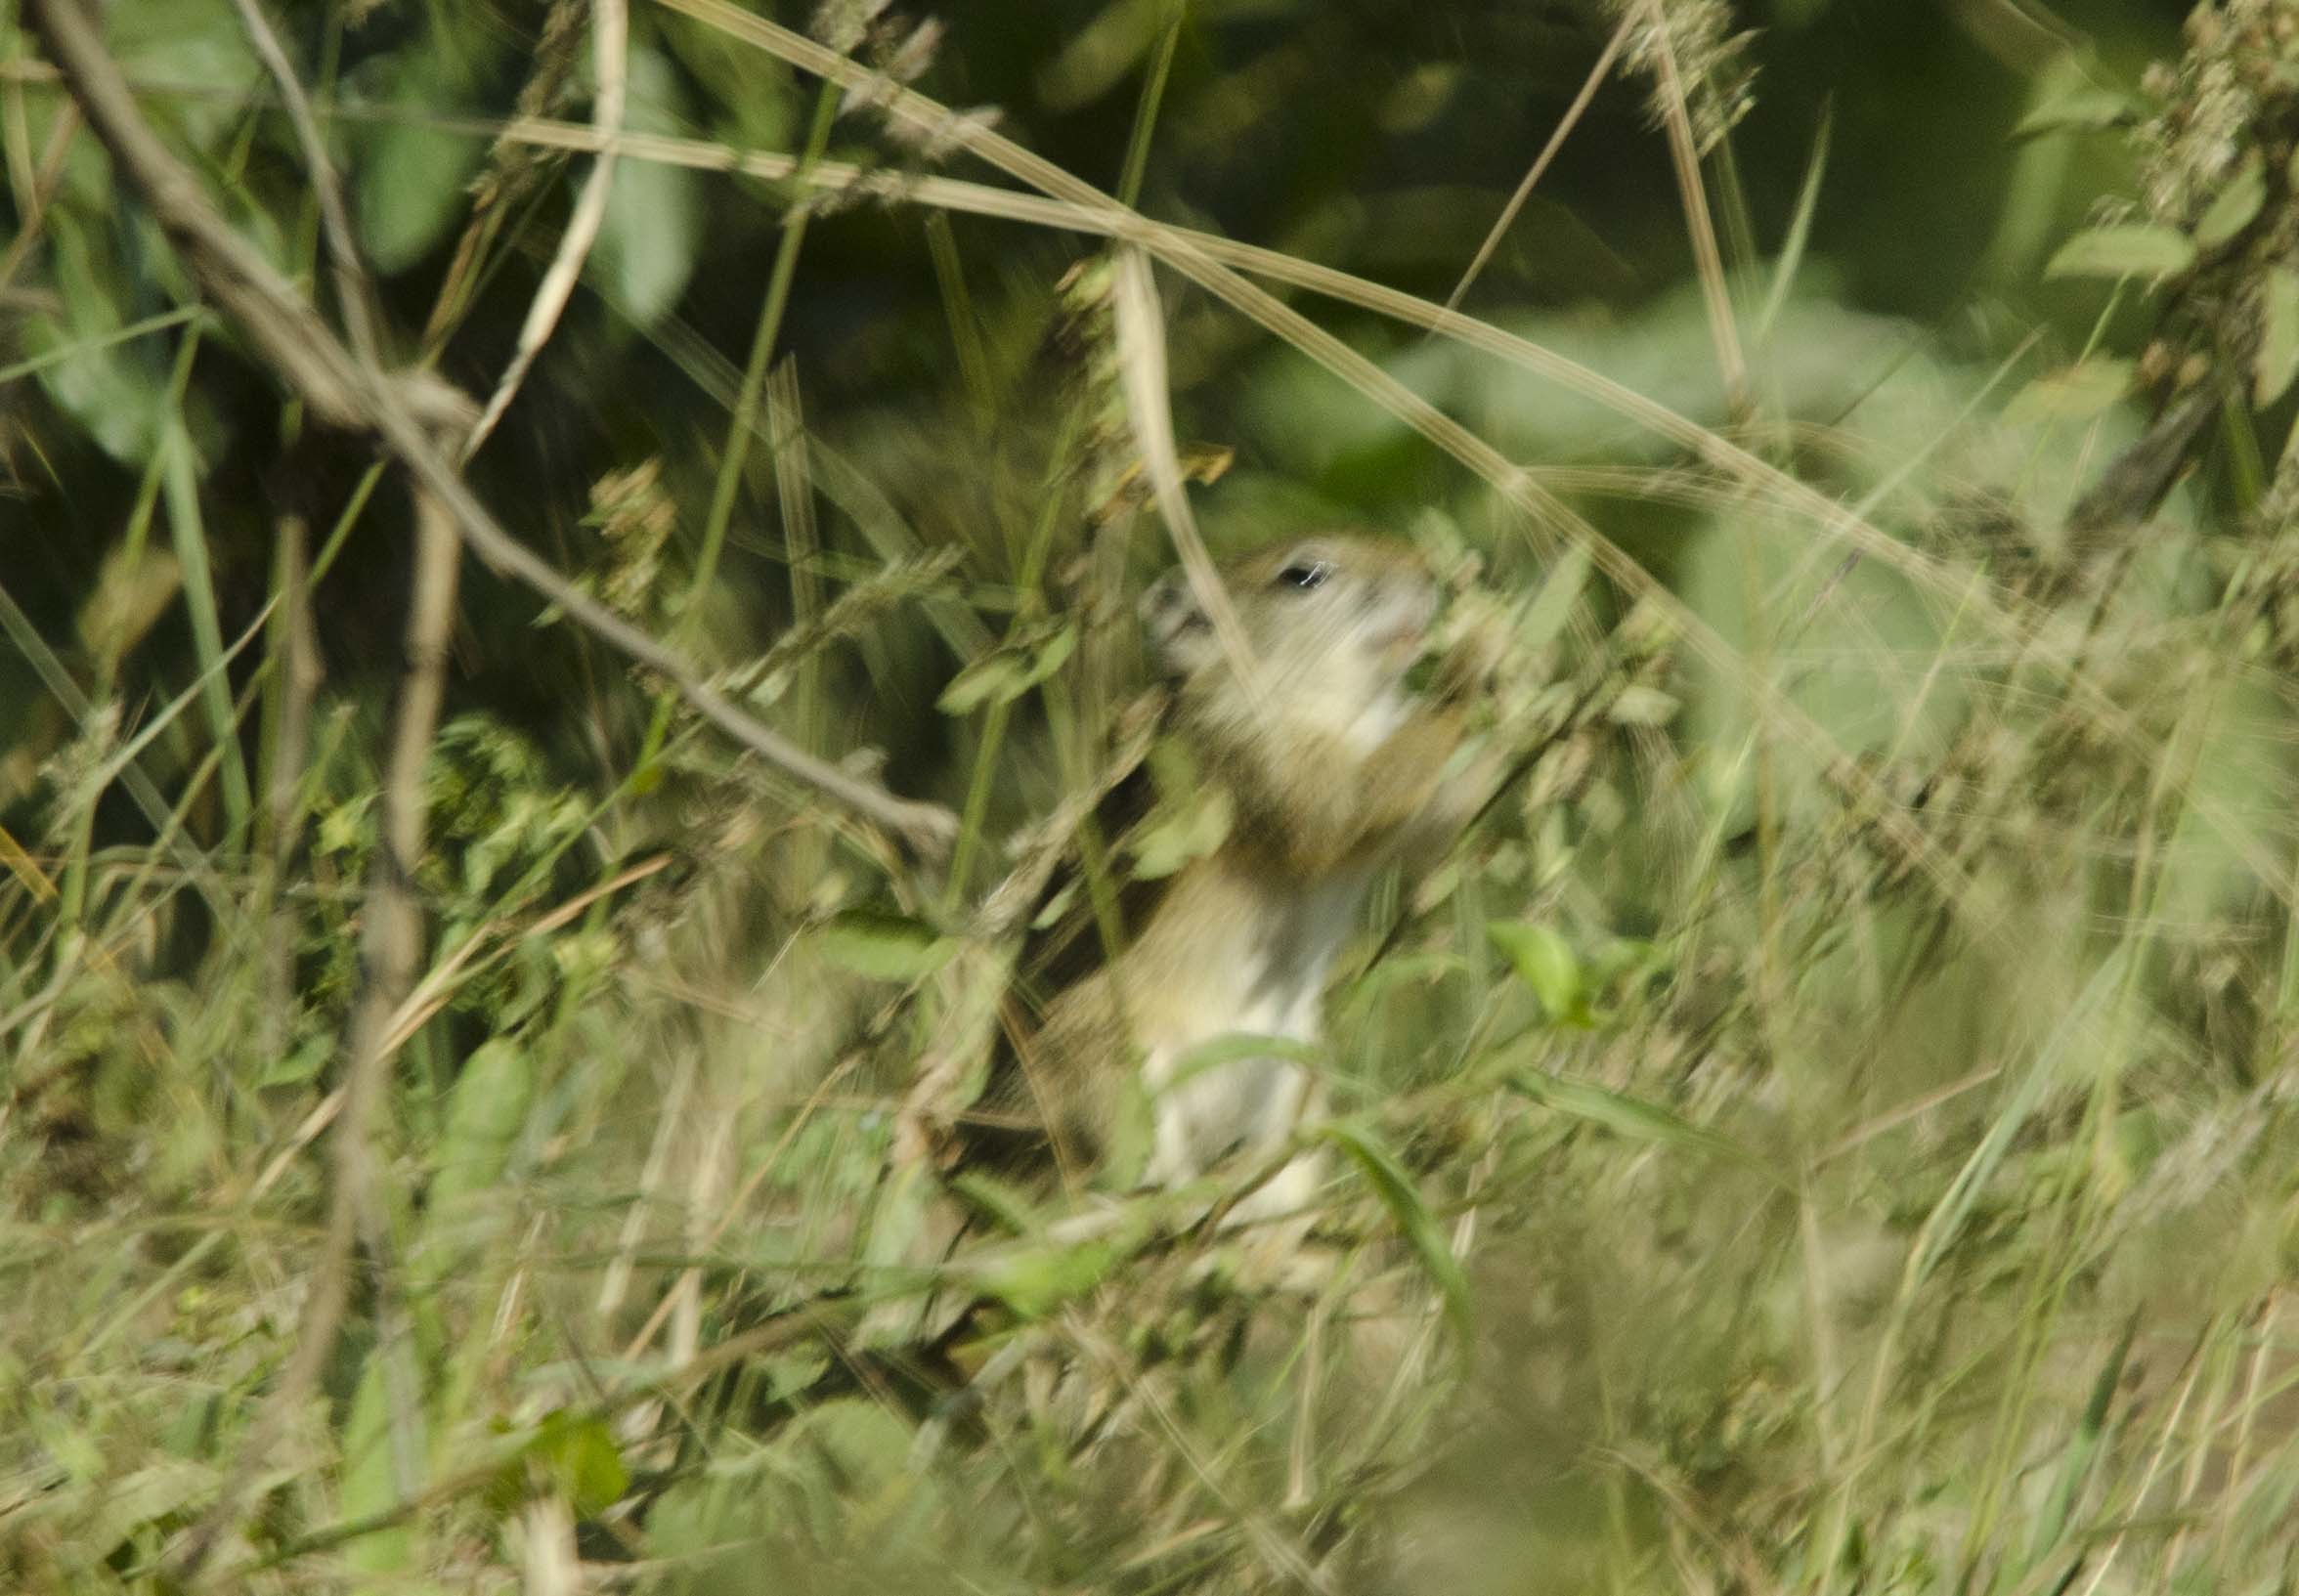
(32, 208)
(352, 289)
(1541, 163)
(509, 175)
(294, 339)
(609, 25)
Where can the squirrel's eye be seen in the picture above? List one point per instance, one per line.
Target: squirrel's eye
(1305, 573)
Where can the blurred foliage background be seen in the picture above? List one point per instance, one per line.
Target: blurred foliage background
(1850, 1072)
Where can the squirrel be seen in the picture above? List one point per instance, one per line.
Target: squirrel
(1334, 770)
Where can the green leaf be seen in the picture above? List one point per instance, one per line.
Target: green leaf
(1552, 605)
(1545, 963)
(2071, 394)
(2082, 1448)
(301, 1063)
(133, 590)
(1005, 1205)
(162, 1494)
(1189, 830)
(1131, 1138)
(584, 1462)
(1634, 1118)
(1403, 1199)
(369, 1483)
(885, 947)
(1058, 905)
(1034, 1280)
(1010, 670)
(2232, 208)
(653, 230)
(1100, 53)
(114, 390)
(194, 46)
(2084, 109)
(2126, 250)
(485, 1114)
(2278, 359)
(411, 181)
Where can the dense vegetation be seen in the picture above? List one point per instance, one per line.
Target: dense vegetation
(480, 970)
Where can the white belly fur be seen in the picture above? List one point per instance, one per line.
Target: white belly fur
(1243, 1104)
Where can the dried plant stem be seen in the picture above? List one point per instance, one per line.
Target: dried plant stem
(35, 193)
(1684, 155)
(296, 645)
(610, 53)
(1541, 164)
(390, 942)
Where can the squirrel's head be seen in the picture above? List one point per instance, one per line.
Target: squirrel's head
(1332, 623)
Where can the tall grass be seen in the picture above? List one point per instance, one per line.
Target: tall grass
(1827, 1128)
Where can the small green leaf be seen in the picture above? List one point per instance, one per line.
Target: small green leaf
(994, 678)
(1034, 1280)
(1058, 905)
(886, 947)
(1634, 1118)
(2278, 359)
(486, 1112)
(653, 229)
(1403, 1199)
(370, 1486)
(1552, 607)
(584, 1462)
(156, 1497)
(1131, 1138)
(1007, 1206)
(1011, 671)
(2126, 250)
(133, 590)
(302, 1063)
(2232, 208)
(114, 390)
(195, 45)
(1545, 963)
(411, 186)
(2081, 110)
(1189, 830)
(1097, 54)
(2072, 394)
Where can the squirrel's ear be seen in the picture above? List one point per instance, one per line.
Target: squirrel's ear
(1180, 638)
